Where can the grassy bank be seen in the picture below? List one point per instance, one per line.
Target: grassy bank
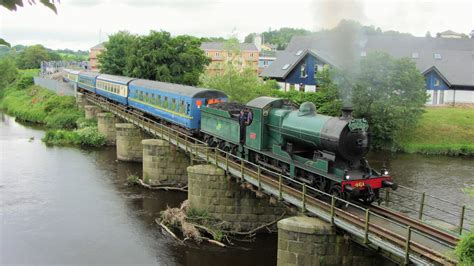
(65, 121)
(442, 130)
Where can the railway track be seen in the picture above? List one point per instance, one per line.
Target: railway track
(376, 227)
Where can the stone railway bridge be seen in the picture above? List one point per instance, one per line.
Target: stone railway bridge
(322, 234)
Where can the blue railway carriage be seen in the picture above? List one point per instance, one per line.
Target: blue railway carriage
(86, 80)
(178, 104)
(71, 75)
(113, 87)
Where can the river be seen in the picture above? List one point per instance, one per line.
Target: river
(64, 205)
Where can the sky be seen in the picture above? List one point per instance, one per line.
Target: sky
(81, 24)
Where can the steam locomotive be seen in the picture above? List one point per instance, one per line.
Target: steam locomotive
(327, 153)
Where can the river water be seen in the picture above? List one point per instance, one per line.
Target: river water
(64, 205)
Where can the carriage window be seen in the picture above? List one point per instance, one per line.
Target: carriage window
(165, 103)
(181, 107)
(152, 99)
(159, 100)
(173, 104)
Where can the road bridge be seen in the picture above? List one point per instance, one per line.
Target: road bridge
(396, 236)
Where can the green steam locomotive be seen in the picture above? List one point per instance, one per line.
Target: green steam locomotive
(327, 153)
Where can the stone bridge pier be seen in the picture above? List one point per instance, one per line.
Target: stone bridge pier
(129, 142)
(106, 126)
(310, 241)
(210, 189)
(164, 164)
(91, 111)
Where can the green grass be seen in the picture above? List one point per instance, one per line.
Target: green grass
(441, 130)
(41, 106)
(65, 121)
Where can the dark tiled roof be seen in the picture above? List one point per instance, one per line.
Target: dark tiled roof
(221, 46)
(456, 63)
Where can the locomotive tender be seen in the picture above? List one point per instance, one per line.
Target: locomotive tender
(324, 152)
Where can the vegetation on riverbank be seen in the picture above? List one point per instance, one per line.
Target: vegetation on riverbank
(30, 103)
(441, 131)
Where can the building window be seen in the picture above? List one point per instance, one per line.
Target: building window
(414, 55)
(303, 71)
(265, 63)
(437, 56)
(436, 82)
(251, 54)
(218, 54)
(363, 53)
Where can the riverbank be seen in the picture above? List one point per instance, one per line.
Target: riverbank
(442, 131)
(66, 123)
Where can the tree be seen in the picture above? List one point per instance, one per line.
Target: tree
(241, 84)
(159, 56)
(12, 5)
(390, 93)
(117, 52)
(8, 71)
(280, 37)
(32, 56)
(4, 43)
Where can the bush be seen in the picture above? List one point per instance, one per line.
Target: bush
(465, 249)
(88, 136)
(25, 82)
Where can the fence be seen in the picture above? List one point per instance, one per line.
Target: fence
(60, 88)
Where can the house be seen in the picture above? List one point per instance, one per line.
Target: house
(446, 63)
(265, 59)
(246, 55)
(95, 51)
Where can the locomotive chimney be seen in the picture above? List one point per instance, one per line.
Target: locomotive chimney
(346, 112)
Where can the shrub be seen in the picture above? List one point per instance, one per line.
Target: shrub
(465, 249)
(88, 136)
(25, 82)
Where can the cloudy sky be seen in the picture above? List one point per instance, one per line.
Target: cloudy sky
(81, 24)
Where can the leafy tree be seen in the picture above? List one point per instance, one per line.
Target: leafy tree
(390, 93)
(32, 56)
(117, 52)
(12, 5)
(159, 56)
(8, 71)
(241, 85)
(280, 37)
(4, 43)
